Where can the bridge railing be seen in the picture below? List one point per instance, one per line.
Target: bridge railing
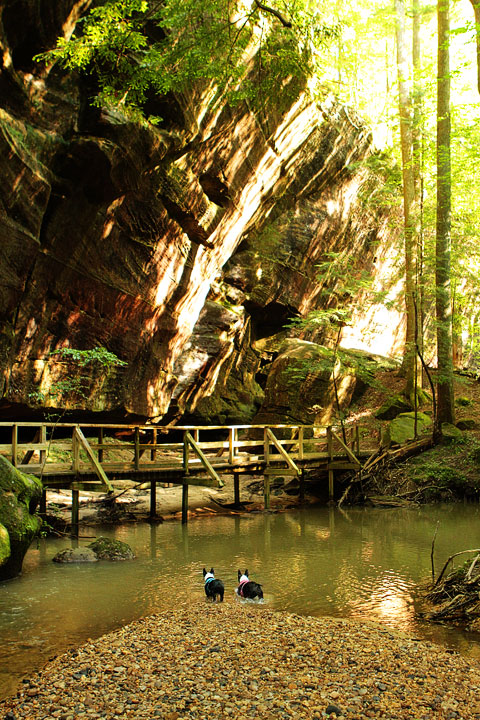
(66, 455)
(56, 449)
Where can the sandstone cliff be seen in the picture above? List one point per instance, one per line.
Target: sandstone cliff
(181, 249)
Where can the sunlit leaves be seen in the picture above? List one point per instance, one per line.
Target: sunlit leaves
(136, 47)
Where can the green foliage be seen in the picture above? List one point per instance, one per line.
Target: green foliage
(340, 283)
(82, 358)
(383, 191)
(441, 475)
(328, 360)
(75, 383)
(135, 47)
(452, 468)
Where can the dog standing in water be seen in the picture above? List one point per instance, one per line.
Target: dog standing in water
(247, 588)
(213, 588)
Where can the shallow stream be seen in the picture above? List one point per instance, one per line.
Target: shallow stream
(360, 563)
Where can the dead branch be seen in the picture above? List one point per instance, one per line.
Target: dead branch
(272, 11)
(431, 554)
(461, 552)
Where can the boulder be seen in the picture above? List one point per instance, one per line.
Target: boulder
(393, 407)
(106, 549)
(75, 555)
(450, 433)
(300, 387)
(402, 428)
(466, 424)
(19, 497)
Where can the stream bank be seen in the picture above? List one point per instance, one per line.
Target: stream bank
(245, 660)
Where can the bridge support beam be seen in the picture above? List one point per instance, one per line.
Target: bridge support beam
(42, 510)
(301, 492)
(266, 491)
(236, 488)
(184, 503)
(75, 512)
(153, 498)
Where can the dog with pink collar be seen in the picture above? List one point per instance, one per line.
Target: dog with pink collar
(247, 588)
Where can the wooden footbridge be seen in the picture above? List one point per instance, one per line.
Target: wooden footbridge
(91, 457)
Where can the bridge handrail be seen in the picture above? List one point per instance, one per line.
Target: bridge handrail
(291, 449)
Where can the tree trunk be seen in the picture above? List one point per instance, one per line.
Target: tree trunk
(409, 210)
(443, 231)
(476, 10)
(417, 152)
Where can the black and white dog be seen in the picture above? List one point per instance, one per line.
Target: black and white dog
(213, 588)
(247, 588)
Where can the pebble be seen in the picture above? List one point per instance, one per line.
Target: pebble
(228, 660)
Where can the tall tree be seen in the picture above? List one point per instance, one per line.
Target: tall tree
(476, 10)
(445, 407)
(409, 204)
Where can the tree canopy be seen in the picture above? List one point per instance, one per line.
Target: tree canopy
(139, 47)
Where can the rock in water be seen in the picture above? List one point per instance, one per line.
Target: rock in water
(75, 555)
(106, 549)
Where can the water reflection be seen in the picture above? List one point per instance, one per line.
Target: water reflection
(361, 563)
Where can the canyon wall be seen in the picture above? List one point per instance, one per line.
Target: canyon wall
(183, 249)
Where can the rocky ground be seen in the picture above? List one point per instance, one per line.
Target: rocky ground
(242, 660)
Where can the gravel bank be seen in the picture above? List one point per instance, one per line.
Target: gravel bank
(235, 660)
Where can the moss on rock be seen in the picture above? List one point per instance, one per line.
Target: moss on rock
(107, 549)
(402, 428)
(19, 497)
(4, 545)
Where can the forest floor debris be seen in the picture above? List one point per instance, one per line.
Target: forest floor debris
(454, 597)
(244, 660)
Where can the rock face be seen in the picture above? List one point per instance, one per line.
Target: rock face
(178, 248)
(19, 497)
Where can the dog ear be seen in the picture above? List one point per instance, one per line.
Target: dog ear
(239, 575)
(211, 570)
(246, 573)
(204, 572)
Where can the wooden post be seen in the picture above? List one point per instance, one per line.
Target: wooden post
(75, 512)
(266, 491)
(301, 495)
(153, 498)
(330, 459)
(184, 503)
(153, 452)
(75, 453)
(266, 475)
(42, 510)
(357, 440)
(100, 441)
(186, 455)
(14, 444)
(236, 488)
(137, 448)
(232, 436)
(43, 440)
(300, 443)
